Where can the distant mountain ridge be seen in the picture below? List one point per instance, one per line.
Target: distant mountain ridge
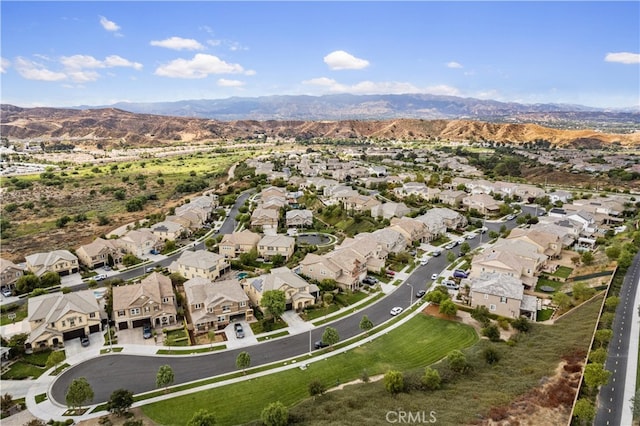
(347, 107)
(112, 126)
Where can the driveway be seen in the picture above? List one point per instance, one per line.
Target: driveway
(73, 347)
(133, 336)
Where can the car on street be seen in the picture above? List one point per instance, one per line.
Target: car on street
(395, 311)
(421, 293)
(320, 344)
(511, 217)
(6, 292)
(84, 341)
(450, 246)
(146, 331)
(434, 276)
(471, 236)
(149, 269)
(239, 330)
(483, 229)
(437, 253)
(100, 277)
(424, 261)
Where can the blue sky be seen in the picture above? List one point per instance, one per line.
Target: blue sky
(98, 53)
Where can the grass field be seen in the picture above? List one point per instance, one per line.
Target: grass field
(20, 312)
(22, 370)
(421, 341)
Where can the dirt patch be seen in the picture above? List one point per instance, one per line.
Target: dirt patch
(465, 318)
(548, 404)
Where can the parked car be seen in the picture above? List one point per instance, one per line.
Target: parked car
(84, 341)
(369, 280)
(471, 236)
(6, 292)
(390, 272)
(437, 253)
(146, 331)
(421, 293)
(150, 269)
(100, 277)
(424, 261)
(239, 330)
(320, 344)
(395, 311)
(450, 246)
(451, 285)
(483, 229)
(511, 217)
(434, 276)
(459, 273)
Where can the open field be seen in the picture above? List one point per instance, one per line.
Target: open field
(421, 341)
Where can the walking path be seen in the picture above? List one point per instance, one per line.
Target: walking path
(632, 361)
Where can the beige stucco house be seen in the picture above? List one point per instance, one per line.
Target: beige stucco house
(9, 273)
(99, 253)
(63, 262)
(236, 243)
(503, 295)
(299, 293)
(139, 242)
(54, 318)
(200, 263)
(150, 301)
(272, 245)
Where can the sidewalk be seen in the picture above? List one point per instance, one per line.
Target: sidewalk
(626, 417)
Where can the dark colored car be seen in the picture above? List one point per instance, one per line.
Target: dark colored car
(369, 281)
(421, 293)
(320, 344)
(239, 330)
(84, 341)
(146, 331)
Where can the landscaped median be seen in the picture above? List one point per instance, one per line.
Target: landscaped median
(420, 341)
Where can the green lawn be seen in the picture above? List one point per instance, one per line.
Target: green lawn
(563, 272)
(421, 341)
(22, 370)
(544, 314)
(20, 313)
(177, 338)
(313, 314)
(543, 281)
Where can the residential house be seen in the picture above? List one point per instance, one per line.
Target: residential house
(236, 243)
(412, 229)
(63, 262)
(360, 203)
(139, 242)
(505, 261)
(503, 295)
(151, 301)
(439, 219)
(391, 240)
(299, 218)
(168, 230)
(560, 195)
(547, 243)
(212, 306)
(272, 245)
(298, 292)
(452, 197)
(389, 210)
(9, 273)
(200, 263)
(483, 203)
(265, 218)
(346, 272)
(56, 317)
(366, 248)
(99, 253)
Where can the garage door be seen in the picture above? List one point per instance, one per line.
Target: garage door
(140, 322)
(123, 325)
(73, 334)
(94, 328)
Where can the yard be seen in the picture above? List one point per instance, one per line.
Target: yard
(28, 366)
(430, 338)
(20, 313)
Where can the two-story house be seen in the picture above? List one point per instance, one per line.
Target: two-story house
(265, 218)
(139, 242)
(150, 301)
(298, 292)
(99, 253)
(54, 318)
(272, 245)
(62, 262)
(503, 295)
(212, 306)
(234, 244)
(299, 218)
(200, 263)
(9, 273)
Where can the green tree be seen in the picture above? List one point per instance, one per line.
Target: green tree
(584, 410)
(587, 258)
(521, 324)
(613, 252)
(316, 388)
(120, 401)
(49, 279)
(451, 256)
(457, 361)
(612, 303)
(595, 375)
(275, 414)
(598, 356)
(438, 295)
(330, 336)
(447, 307)
(492, 332)
(202, 417)
(635, 404)
(79, 392)
(465, 247)
(274, 302)
(165, 376)
(481, 314)
(431, 379)
(582, 291)
(243, 361)
(366, 324)
(491, 355)
(394, 382)
(561, 300)
(55, 358)
(603, 336)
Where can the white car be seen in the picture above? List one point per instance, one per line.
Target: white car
(434, 276)
(424, 261)
(471, 236)
(395, 311)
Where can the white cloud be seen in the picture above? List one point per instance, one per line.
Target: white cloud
(86, 61)
(623, 57)
(178, 43)
(109, 25)
(35, 71)
(441, 89)
(83, 76)
(223, 82)
(454, 64)
(4, 64)
(341, 60)
(199, 67)
(378, 88)
(119, 61)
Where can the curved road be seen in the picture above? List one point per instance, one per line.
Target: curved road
(612, 402)
(137, 373)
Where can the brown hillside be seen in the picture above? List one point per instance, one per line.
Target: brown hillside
(140, 129)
